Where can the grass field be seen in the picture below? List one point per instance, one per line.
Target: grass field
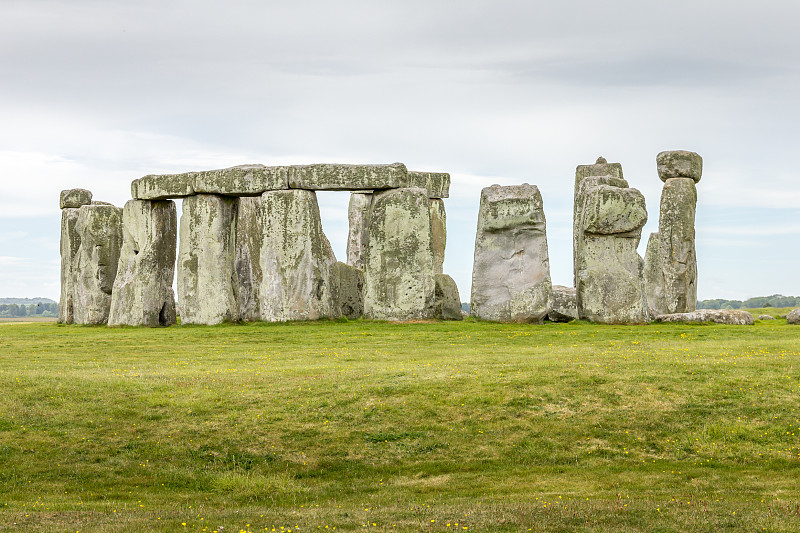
(400, 427)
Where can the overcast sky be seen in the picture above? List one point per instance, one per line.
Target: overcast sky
(94, 94)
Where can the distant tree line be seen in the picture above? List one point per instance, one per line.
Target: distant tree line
(42, 309)
(776, 300)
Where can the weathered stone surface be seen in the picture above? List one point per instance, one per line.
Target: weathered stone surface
(70, 242)
(677, 256)
(333, 177)
(793, 317)
(679, 164)
(206, 276)
(436, 183)
(358, 218)
(398, 275)
(654, 277)
(511, 269)
(612, 210)
(350, 291)
(766, 317)
(100, 230)
(438, 234)
(564, 304)
(163, 186)
(297, 261)
(585, 182)
(609, 285)
(243, 180)
(74, 198)
(249, 238)
(719, 316)
(446, 302)
(142, 294)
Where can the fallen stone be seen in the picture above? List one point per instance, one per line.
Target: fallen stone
(766, 317)
(350, 291)
(249, 239)
(399, 279)
(334, 177)
(654, 277)
(679, 164)
(206, 277)
(610, 288)
(243, 180)
(142, 294)
(75, 198)
(718, 316)
(511, 269)
(70, 242)
(100, 230)
(677, 256)
(358, 219)
(436, 183)
(438, 234)
(163, 186)
(446, 302)
(564, 304)
(297, 261)
(793, 317)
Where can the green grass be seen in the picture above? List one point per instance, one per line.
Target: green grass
(400, 427)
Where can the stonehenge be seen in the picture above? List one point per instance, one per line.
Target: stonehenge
(250, 246)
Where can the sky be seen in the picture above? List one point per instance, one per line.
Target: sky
(95, 94)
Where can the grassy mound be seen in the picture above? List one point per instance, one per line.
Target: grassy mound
(400, 427)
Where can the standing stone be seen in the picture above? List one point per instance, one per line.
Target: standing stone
(511, 270)
(297, 261)
(610, 288)
(100, 230)
(399, 279)
(564, 304)
(358, 218)
(654, 277)
(142, 294)
(70, 242)
(350, 291)
(447, 302)
(206, 275)
(677, 245)
(249, 238)
(438, 234)
(611, 174)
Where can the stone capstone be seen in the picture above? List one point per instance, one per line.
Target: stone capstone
(334, 177)
(676, 250)
(399, 279)
(719, 316)
(74, 198)
(438, 234)
(70, 242)
(142, 294)
(297, 261)
(100, 230)
(446, 302)
(350, 291)
(249, 238)
(793, 317)
(163, 186)
(358, 218)
(206, 276)
(243, 180)
(436, 183)
(609, 286)
(679, 164)
(511, 269)
(564, 304)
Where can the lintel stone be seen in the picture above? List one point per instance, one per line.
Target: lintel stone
(335, 177)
